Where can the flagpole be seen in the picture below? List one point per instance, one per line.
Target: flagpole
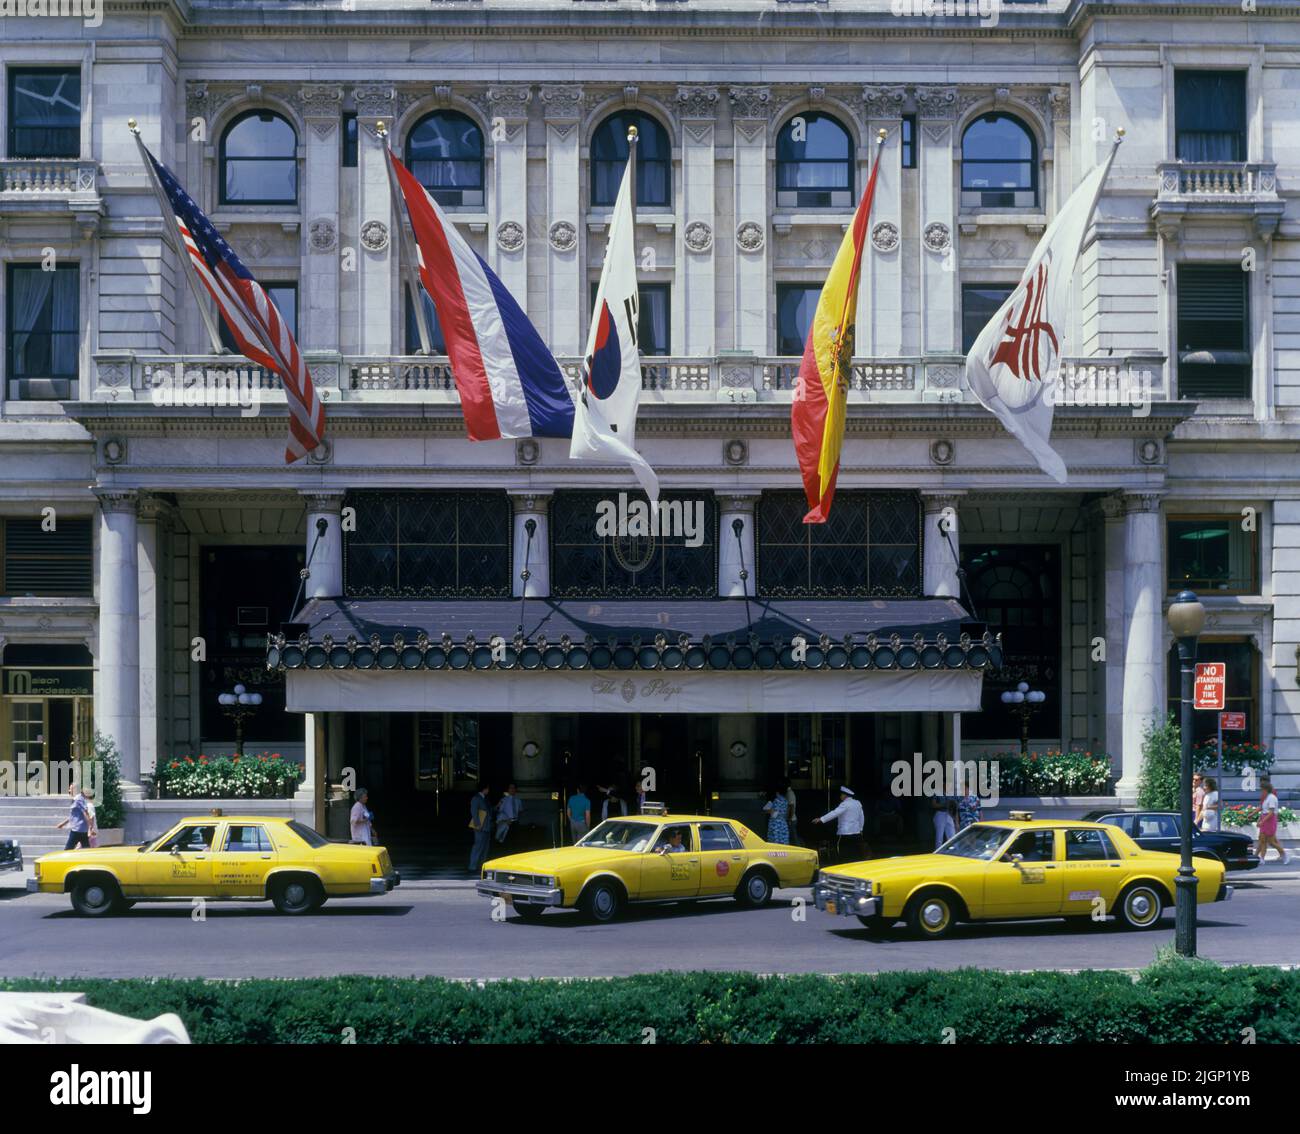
(408, 253)
(1101, 184)
(173, 234)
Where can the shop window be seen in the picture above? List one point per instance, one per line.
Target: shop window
(1212, 553)
(44, 113)
(428, 545)
(285, 298)
(259, 160)
(979, 303)
(1016, 590)
(814, 163)
(1210, 116)
(870, 546)
(46, 707)
(680, 561)
(999, 164)
(796, 304)
(444, 151)
(654, 169)
(1241, 693)
(37, 562)
(43, 331)
(1213, 331)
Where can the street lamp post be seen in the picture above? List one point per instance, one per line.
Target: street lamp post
(1024, 702)
(239, 705)
(1186, 619)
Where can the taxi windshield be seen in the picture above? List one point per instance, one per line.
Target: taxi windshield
(976, 841)
(619, 834)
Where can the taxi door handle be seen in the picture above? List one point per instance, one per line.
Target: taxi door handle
(200, 858)
(265, 857)
(692, 861)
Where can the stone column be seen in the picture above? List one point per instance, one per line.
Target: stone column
(880, 298)
(750, 112)
(695, 291)
(117, 698)
(1144, 670)
(936, 107)
(564, 226)
(373, 239)
(321, 105)
(736, 554)
(1111, 509)
(939, 565)
(153, 698)
(531, 507)
(507, 112)
(325, 567)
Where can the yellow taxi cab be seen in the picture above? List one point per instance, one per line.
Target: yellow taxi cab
(236, 857)
(1015, 869)
(648, 858)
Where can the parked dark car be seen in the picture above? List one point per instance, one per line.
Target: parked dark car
(1159, 830)
(11, 855)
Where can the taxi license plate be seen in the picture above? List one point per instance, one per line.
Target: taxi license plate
(830, 905)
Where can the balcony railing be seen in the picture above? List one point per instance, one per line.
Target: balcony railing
(40, 176)
(1207, 179)
(201, 379)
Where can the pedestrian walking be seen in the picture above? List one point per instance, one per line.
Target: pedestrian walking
(93, 832)
(849, 821)
(944, 827)
(778, 813)
(508, 812)
(792, 801)
(78, 820)
(579, 812)
(1210, 805)
(613, 804)
(480, 822)
(1198, 798)
(361, 820)
(1268, 812)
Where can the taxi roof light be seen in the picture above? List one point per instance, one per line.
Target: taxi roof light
(655, 808)
(1025, 816)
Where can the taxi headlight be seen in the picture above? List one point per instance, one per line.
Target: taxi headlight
(37, 867)
(546, 880)
(863, 888)
(489, 876)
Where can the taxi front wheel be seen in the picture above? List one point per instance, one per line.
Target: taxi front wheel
(931, 915)
(601, 901)
(97, 897)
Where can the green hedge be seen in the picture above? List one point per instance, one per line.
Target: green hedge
(1171, 1002)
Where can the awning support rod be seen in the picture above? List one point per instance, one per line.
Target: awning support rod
(738, 526)
(530, 526)
(961, 571)
(322, 526)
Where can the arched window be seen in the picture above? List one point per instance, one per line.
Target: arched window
(259, 160)
(814, 163)
(999, 163)
(445, 151)
(654, 160)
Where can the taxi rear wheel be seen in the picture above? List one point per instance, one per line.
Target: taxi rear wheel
(601, 901)
(297, 895)
(755, 890)
(931, 915)
(96, 897)
(1140, 906)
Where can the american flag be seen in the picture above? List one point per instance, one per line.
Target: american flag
(248, 313)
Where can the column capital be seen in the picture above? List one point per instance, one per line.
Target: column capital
(529, 500)
(1142, 502)
(319, 100)
(697, 102)
(508, 101)
(737, 501)
(326, 500)
(1110, 507)
(153, 507)
(118, 499)
(936, 102)
(883, 101)
(562, 103)
(750, 102)
(938, 499)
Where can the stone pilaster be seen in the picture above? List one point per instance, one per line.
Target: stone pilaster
(880, 298)
(695, 295)
(751, 110)
(321, 105)
(373, 237)
(1144, 669)
(117, 695)
(507, 112)
(562, 107)
(940, 299)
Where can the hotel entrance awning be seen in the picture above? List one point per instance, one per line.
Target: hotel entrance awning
(685, 656)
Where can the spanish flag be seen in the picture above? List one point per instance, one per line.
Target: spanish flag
(820, 398)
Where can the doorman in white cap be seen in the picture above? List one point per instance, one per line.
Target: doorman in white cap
(849, 822)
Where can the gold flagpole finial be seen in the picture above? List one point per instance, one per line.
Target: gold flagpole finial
(1119, 134)
(881, 135)
(133, 126)
(381, 128)
(632, 134)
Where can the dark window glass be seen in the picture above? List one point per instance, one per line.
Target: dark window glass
(350, 140)
(654, 155)
(907, 143)
(795, 306)
(979, 303)
(654, 318)
(1033, 846)
(285, 298)
(44, 329)
(445, 152)
(259, 160)
(428, 545)
(814, 163)
(437, 343)
(1210, 115)
(1211, 553)
(244, 839)
(1241, 690)
(1213, 332)
(870, 546)
(44, 114)
(587, 563)
(999, 163)
(38, 562)
(1016, 590)
(1086, 845)
(306, 834)
(196, 838)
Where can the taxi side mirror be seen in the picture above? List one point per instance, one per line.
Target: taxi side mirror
(1016, 860)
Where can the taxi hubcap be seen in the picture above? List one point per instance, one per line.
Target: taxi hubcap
(295, 894)
(1140, 906)
(934, 914)
(604, 901)
(757, 888)
(95, 896)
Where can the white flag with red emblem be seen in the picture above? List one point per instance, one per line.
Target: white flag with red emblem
(1014, 366)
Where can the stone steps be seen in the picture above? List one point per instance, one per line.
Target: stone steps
(29, 821)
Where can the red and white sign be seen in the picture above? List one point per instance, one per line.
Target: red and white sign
(1232, 722)
(1211, 685)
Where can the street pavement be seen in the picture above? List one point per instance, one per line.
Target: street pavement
(446, 929)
